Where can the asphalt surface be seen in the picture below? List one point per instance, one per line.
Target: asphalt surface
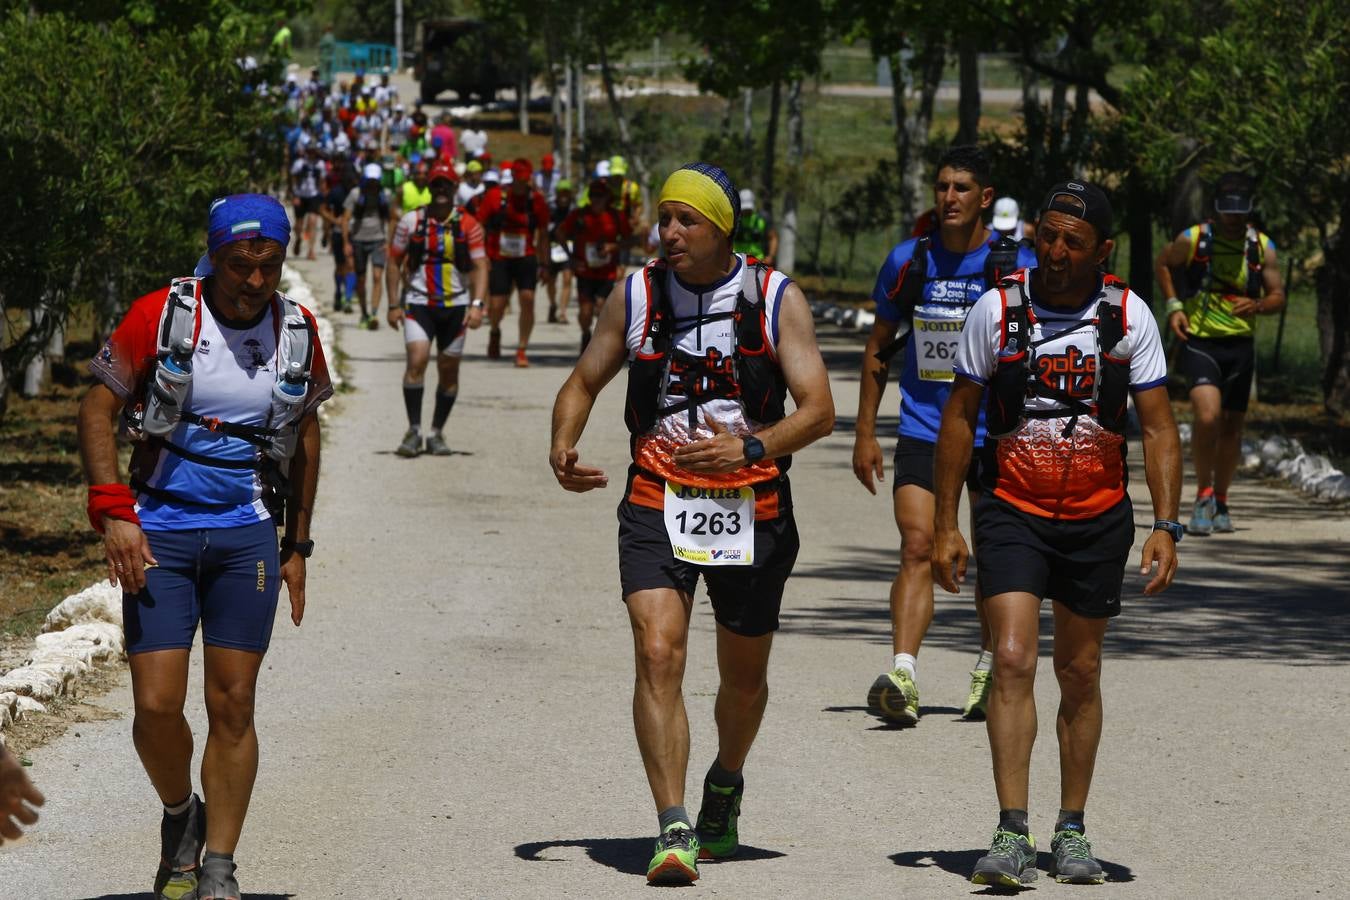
(452, 719)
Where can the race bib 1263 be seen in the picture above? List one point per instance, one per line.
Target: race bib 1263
(596, 257)
(711, 526)
(512, 245)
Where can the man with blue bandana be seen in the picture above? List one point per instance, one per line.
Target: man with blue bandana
(217, 379)
(713, 343)
(928, 284)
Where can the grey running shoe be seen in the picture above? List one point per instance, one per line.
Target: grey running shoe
(1074, 863)
(180, 841)
(895, 697)
(1010, 862)
(412, 444)
(436, 445)
(1202, 517)
(1223, 522)
(218, 881)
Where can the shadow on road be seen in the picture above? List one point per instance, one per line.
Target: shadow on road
(1235, 596)
(962, 862)
(146, 895)
(627, 855)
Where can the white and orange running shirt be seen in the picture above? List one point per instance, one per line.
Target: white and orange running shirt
(715, 341)
(1042, 471)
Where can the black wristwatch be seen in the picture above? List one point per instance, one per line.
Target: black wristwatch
(303, 549)
(754, 448)
(1172, 528)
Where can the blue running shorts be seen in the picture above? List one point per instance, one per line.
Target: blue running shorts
(226, 578)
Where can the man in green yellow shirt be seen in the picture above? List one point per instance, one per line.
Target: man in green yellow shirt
(1229, 276)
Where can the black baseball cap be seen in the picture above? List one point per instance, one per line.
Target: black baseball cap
(1233, 193)
(1082, 200)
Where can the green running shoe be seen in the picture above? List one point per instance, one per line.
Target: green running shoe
(676, 857)
(717, 821)
(1010, 862)
(1202, 516)
(181, 842)
(1074, 863)
(977, 704)
(895, 698)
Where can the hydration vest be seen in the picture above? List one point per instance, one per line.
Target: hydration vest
(752, 235)
(152, 413)
(749, 376)
(1013, 381)
(361, 206)
(909, 284)
(497, 219)
(1200, 274)
(417, 243)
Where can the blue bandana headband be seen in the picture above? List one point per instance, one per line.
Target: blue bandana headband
(242, 217)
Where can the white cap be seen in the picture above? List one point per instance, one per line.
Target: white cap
(506, 175)
(492, 176)
(373, 170)
(398, 107)
(602, 169)
(1006, 214)
(747, 200)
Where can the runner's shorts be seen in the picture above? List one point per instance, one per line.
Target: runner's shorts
(522, 274)
(367, 251)
(339, 251)
(914, 465)
(447, 324)
(745, 599)
(226, 578)
(1226, 363)
(1077, 562)
(309, 205)
(594, 288)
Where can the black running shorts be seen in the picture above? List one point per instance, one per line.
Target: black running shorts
(522, 274)
(1225, 363)
(594, 288)
(1077, 562)
(745, 599)
(914, 465)
(447, 325)
(367, 252)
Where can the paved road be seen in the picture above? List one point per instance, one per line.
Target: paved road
(452, 720)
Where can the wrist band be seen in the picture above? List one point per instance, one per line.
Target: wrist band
(476, 304)
(115, 501)
(1174, 305)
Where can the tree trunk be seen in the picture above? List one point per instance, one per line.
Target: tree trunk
(569, 93)
(1033, 124)
(1078, 124)
(787, 233)
(968, 106)
(896, 64)
(1139, 216)
(770, 146)
(555, 102)
(1333, 316)
(523, 92)
(748, 134)
(931, 60)
(620, 118)
(4, 378)
(35, 372)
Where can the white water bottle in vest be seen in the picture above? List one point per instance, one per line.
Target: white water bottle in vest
(168, 390)
(287, 394)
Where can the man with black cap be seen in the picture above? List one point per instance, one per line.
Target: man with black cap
(1229, 277)
(1053, 353)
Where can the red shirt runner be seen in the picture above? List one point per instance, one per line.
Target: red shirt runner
(592, 230)
(511, 221)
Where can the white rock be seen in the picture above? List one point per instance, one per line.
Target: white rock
(99, 602)
(28, 705)
(1184, 430)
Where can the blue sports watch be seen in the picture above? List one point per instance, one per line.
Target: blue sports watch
(1172, 528)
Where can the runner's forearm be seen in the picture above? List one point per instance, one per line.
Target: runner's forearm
(1162, 451)
(872, 383)
(478, 281)
(98, 435)
(304, 477)
(571, 410)
(951, 457)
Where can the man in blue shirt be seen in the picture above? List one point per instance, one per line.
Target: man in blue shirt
(927, 285)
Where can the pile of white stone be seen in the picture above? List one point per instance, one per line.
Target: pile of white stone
(1282, 457)
(84, 630)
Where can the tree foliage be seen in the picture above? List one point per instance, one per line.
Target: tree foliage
(114, 189)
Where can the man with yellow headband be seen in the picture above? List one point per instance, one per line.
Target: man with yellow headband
(713, 345)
